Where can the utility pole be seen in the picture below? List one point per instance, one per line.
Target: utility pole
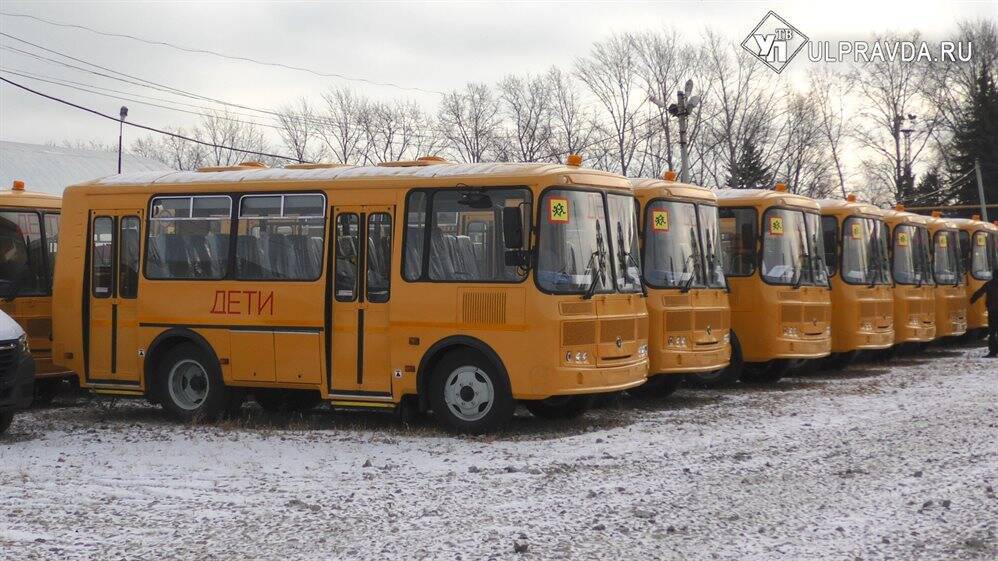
(909, 179)
(685, 103)
(980, 190)
(121, 125)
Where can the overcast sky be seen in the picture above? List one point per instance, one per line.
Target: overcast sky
(436, 46)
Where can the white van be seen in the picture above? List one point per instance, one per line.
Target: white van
(17, 371)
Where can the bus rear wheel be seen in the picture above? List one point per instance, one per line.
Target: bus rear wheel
(189, 385)
(764, 373)
(5, 420)
(286, 401)
(469, 395)
(559, 407)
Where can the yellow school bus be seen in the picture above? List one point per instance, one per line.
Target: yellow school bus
(29, 238)
(951, 298)
(978, 244)
(456, 288)
(856, 254)
(911, 269)
(688, 315)
(774, 262)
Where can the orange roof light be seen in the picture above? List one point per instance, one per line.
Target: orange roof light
(574, 160)
(851, 197)
(669, 175)
(781, 187)
(899, 207)
(937, 213)
(18, 185)
(975, 217)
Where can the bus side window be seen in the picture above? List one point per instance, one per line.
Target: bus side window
(51, 242)
(347, 238)
(415, 224)
(379, 257)
(738, 239)
(128, 257)
(188, 237)
(829, 229)
(101, 267)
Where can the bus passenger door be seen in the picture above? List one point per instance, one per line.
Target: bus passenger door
(114, 276)
(361, 281)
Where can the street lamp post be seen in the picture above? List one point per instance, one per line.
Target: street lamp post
(685, 103)
(121, 125)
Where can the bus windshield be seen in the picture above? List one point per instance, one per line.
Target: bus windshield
(946, 262)
(624, 231)
(574, 247)
(864, 251)
(793, 248)
(672, 252)
(980, 251)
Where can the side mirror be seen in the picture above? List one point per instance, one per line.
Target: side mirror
(512, 227)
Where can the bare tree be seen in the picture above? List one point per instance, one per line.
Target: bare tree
(527, 103)
(172, 151)
(828, 93)
(470, 121)
(230, 140)
(298, 130)
(572, 126)
(395, 131)
(338, 127)
(610, 72)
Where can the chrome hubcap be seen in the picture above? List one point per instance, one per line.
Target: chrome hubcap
(468, 393)
(188, 384)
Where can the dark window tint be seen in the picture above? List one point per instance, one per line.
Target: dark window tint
(738, 240)
(379, 256)
(415, 224)
(128, 257)
(21, 253)
(347, 257)
(102, 257)
(281, 237)
(829, 229)
(188, 237)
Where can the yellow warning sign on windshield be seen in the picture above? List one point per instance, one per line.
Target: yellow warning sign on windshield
(903, 239)
(660, 220)
(857, 231)
(943, 241)
(776, 225)
(558, 210)
(981, 240)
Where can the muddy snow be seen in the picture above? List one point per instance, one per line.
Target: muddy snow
(896, 460)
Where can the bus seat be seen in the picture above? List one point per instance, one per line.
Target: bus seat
(441, 262)
(469, 260)
(176, 256)
(249, 257)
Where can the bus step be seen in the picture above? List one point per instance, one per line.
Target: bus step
(362, 404)
(112, 391)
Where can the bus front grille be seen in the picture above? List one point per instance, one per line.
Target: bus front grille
(678, 321)
(577, 333)
(612, 329)
(8, 359)
(714, 319)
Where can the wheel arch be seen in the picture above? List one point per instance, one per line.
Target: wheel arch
(167, 340)
(441, 348)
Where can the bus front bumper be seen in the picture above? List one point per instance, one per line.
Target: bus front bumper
(570, 380)
(689, 362)
(913, 334)
(17, 386)
(44, 368)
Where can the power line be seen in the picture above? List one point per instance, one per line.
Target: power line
(223, 55)
(146, 127)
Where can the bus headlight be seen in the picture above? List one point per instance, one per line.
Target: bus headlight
(678, 341)
(643, 350)
(23, 345)
(581, 356)
(865, 326)
(577, 357)
(791, 332)
(727, 338)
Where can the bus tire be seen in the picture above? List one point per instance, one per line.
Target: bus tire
(469, 394)
(189, 385)
(45, 392)
(5, 420)
(559, 407)
(286, 401)
(661, 385)
(840, 361)
(764, 373)
(725, 376)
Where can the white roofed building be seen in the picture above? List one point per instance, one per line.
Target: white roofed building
(50, 169)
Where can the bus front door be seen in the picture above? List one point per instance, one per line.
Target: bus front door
(361, 281)
(114, 277)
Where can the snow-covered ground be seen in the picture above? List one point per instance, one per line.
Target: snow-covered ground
(895, 461)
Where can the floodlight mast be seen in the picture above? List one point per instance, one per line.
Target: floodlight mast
(685, 103)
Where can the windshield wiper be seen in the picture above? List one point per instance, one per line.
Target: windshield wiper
(695, 257)
(803, 258)
(597, 264)
(626, 258)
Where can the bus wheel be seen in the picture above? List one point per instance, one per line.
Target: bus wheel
(764, 373)
(286, 401)
(190, 386)
(45, 392)
(559, 407)
(468, 395)
(724, 376)
(5, 420)
(662, 385)
(840, 361)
